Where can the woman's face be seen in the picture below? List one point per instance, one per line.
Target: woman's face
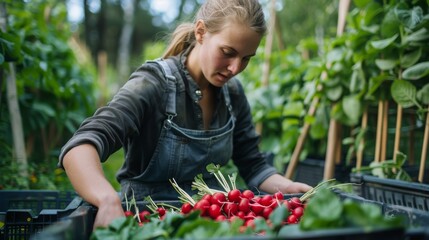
(225, 54)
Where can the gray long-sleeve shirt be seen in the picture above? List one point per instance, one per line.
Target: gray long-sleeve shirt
(134, 117)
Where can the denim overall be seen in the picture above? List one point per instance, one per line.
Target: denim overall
(181, 153)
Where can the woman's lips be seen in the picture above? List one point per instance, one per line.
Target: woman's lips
(224, 77)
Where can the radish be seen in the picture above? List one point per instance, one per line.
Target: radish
(230, 209)
(256, 199)
(207, 197)
(244, 205)
(291, 219)
(250, 223)
(214, 211)
(143, 215)
(241, 214)
(278, 195)
(256, 208)
(220, 218)
(234, 218)
(218, 198)
(186, 208)
(234, 195)
(298, 212)
(266, 212)
(202, 206)
(266, 200)
(248, 194)
(161, 211)
(128, 213)
(295, 202)
(250, 215)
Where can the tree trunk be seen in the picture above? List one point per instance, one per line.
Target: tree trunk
(125, 41)
(268, 49)
(14, 112)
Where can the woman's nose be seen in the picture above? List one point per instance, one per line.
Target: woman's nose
(234, 66)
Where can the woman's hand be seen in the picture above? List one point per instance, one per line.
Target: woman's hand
(107, 212)
(277, 183)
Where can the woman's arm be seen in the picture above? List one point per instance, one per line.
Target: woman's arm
(277, 183)
(85, 172)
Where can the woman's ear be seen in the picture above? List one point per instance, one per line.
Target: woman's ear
(200, 30)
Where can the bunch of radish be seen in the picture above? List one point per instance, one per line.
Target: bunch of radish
(245, 206)
(227, 205)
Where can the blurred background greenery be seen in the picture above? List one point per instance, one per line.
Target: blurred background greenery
(68, 57)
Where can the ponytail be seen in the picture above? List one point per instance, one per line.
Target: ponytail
(181, 39)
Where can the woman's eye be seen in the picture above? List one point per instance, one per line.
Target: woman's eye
(227, 53)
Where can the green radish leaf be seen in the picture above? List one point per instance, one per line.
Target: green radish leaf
(411, 58)
(212, 168)
(404, 93)
(423, 94)
(386, 64)
(279, 215)
(384, 43)
(323, 210)
(352, 107)
(417, 71)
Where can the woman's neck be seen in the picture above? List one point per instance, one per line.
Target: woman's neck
(193, 65)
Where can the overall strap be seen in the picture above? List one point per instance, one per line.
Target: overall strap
(228, 100)
(171, 82)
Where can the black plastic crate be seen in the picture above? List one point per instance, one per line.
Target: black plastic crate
(392, 192)
(311, 171)
(79, 225)
(27, 212)
(36, 200)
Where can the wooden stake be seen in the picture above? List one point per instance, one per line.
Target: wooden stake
(330, 151)
(338, 144)
(385, 129)
(359, 153)
(301, 140)
(424, 149)
(397, 131)
(411, 135)
(379, 131)
(334, 141)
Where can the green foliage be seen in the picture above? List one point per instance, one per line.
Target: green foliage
(392, 169)
(382, 55)
(325, 210)
(55, 86)
(174, 225)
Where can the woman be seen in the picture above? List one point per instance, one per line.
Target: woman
(175, 116)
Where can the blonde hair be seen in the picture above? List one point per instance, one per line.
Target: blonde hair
(216, 14)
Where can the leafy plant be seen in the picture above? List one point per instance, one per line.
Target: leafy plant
(327, 211)
(392, 169)
(55, 86)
